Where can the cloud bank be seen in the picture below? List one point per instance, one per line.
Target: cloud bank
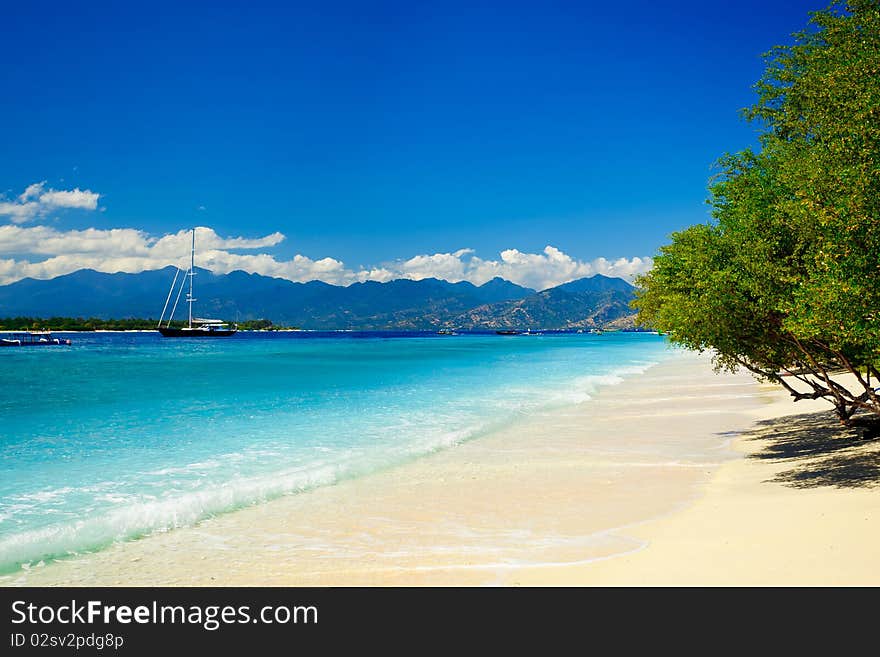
(37, 201)
(44, 252)
(536, 270)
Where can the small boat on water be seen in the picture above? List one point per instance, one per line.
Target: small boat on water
(446, 331)
(199, 328)
(196, 327)
(507, 332)
(32, 339)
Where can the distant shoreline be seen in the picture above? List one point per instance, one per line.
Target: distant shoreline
(156, 331)
(482, 331)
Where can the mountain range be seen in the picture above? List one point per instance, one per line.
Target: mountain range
(399, 304)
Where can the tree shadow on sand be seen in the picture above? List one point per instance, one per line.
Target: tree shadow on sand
(822, 451)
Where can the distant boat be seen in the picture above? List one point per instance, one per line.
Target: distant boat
(196, 327)
(507, 332)
(32, 339)
(446, 331)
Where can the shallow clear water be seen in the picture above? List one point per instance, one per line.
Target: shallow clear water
(121, 435)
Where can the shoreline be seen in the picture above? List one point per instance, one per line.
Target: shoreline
(551, 488)
(799, 507)
(614, 490)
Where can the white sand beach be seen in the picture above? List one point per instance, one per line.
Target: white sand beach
(663, 479)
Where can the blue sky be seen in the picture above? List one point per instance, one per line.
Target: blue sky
(370, 133)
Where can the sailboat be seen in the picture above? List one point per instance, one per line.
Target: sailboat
(196, 327)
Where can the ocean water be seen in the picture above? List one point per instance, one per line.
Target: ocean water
(122, 435)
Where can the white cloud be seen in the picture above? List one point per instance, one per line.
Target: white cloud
(45, 240)
(119, 249)
(36, 201)
(19, 212)
(536, 270)
(74, 198)
(46, 252)
(32, 191)
(448, 266)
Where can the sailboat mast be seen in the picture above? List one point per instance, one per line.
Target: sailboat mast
(192, 272)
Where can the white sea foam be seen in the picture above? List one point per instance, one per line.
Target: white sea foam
(134, 519)
(133, 516)
(42, 496)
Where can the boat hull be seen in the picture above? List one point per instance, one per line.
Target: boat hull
(195, 333)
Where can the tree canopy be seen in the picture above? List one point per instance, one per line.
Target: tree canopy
(784, 281)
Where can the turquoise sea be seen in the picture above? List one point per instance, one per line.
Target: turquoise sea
(121, 435)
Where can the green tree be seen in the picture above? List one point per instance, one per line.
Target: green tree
(784, 281)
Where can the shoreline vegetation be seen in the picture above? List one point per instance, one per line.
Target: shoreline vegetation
(782, 283)
(126, 324)
(95, 324)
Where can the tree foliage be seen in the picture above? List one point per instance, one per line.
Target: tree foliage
(125, 324)
(79, 324)
(784, 281)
